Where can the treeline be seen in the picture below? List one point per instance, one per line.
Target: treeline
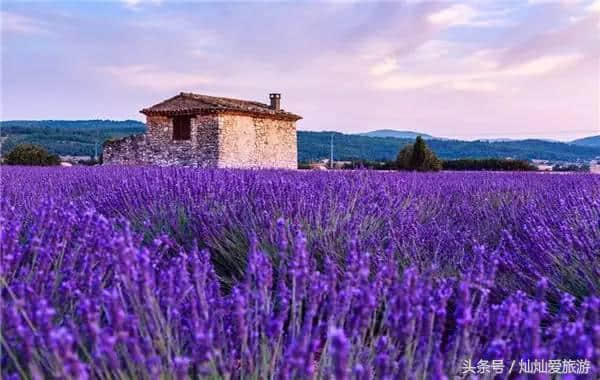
(73, 138)
(496, 164)
(571, 168)
(419, 157)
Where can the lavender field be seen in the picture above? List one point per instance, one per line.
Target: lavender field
(148, 273)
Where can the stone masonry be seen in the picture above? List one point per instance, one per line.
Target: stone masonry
(223, 133)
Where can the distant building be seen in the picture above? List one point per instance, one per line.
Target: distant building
(207, 131)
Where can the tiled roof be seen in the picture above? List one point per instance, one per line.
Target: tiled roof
(188, 103)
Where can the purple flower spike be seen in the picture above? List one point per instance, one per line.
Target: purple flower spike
(340, 353)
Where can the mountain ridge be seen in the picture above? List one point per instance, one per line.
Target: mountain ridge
(593, 141)
(396, 134)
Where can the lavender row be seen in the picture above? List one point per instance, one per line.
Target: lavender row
(537, 224)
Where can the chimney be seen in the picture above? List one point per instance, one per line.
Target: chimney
(275, 101)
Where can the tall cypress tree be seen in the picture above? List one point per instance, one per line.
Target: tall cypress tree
(419, 154)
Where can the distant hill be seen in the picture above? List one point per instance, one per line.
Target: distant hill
(396, 134)
(74, 124)
(79, 138)
(315, 146)
(495, 140)
(65, 137)
(593, 141)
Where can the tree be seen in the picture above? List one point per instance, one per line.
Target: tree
(404, 158)
(28, 154)
(418, 157)
(418, 153)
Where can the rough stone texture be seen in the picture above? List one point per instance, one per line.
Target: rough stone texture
(252, 142)
(157, 146)
(223, 140)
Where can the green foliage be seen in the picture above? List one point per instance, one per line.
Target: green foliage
(27, 154)
(418, 157)
(571, 168)
(495, 164)
(404, 158)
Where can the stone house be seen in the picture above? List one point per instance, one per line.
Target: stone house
(208, 131)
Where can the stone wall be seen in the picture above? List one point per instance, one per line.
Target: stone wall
(276, 145)
(252, 142)
(129, 150)
(157, 147)
(237, 136)
(226, 141)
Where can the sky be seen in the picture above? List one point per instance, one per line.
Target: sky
(461, 69)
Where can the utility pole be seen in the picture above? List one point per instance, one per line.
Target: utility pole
(331, 157)
(96, 143)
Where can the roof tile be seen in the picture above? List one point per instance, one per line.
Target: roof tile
(188, 103)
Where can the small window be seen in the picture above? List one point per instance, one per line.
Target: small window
(182, 128)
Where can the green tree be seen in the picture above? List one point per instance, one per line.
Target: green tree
(29, 154)
(418, 157)
(404, 158)
(419, 153)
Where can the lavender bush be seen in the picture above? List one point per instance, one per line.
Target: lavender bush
(180, 273)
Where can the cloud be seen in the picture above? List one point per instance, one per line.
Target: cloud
(453, 82)
(152, 78)
(563, 2)
(387, 66)
(135, 3)
(19, 24)
(543, 65)
(411, 82)
(594, 7)
(473, 86)
(457, 14)
(465, 15)
(481, 81)
(377, 63)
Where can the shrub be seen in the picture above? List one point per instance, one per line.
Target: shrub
(28, 154)
(418, 157)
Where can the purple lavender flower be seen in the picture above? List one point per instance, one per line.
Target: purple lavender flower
(141, 272)
(340, 353)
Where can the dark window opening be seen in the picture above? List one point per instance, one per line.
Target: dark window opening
(182, 128)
